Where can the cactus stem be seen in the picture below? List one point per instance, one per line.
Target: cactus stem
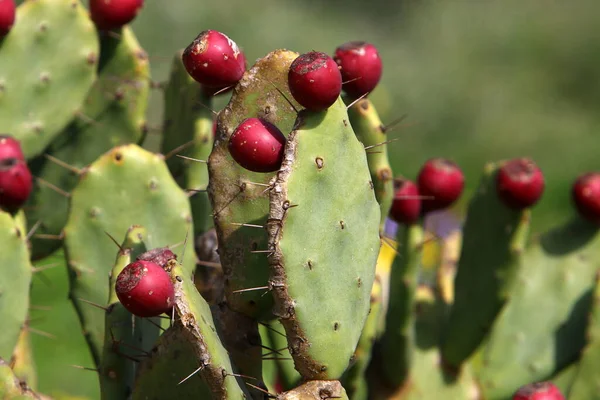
(252, 289)
(356, 101)
(32, 230)
(178, 149)
(394, 124)
(53, 187)
(270, 395)
(247, 225)
(284, 96)
(191, 159)
(382, 143)
(63, 164)
(84, 368)
(94, 304)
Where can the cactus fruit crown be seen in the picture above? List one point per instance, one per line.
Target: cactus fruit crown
(145, 289)
(315, 81)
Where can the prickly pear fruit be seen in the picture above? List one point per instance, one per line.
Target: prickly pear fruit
(7, 16)
(159, 256)
(406, 206)
(360, 66)
(257, 145)
(145, 289)
(214, 60)
(520, 183)
(10, 147)
(442, 181)
(586, 196)
(113, 14)
(538, 391)
(15, 183)
(315, 81)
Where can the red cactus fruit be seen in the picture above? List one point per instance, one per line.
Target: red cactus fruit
(113, 14)
(160, 256)
(538, 391)
(360, 66)
(10, 147)
(406, 206)
(15, 183)
(145, 289)
(7, 16)
(315, 81)
(257, 145)
(586, 196)
(519, 183)
(441, 183)
(214, 60)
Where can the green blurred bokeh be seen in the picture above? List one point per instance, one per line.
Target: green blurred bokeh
(479, 80)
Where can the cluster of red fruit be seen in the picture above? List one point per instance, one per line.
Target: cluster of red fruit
(15, 177)
(315, 81)
(519, 184)
(539, 391)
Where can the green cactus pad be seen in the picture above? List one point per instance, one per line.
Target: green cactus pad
(493, 238)
(324, 252)
(233, 192)
(371, 132)
(354, 380)
(126, 186)
(11, 388)
(40, 92)
(170, 362)
(199, 328)
(188, 126)
(316, 390)
(398, 341)
(114, 115)
(22, 362)
(541, 329)
(16, 271)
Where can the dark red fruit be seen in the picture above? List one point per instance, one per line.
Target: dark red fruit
(361, 67)
(214, 60)
(538, 391)
(406, 206)
(10, 147)
(160, 256)
(586, 196)
(257, 145)
(7, 16)
(145, 289)
(441, 183)
(112, 14)
(315, 81)
(519, 183)
(15, 183)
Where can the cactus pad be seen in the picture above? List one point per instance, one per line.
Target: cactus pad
(238, 195)
(325, 253)
(40, 92)
(114, 114)
(126, 186)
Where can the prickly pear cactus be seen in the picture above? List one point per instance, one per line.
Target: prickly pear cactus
(126, 186)
(239, 196)
(11, 387)
(113, 114)
(41, 92)
(16, 271)
(322, 249)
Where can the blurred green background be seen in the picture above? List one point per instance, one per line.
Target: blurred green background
(479, 80)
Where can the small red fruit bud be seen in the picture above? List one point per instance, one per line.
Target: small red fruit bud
(441, 183)
(538, 391)
(15, 183)
(315, 81)
(113, 14)
(257, 145)
(586, 196)
(10, 147)
(519, 183)
(361, 67)
(406, 206)
(7, 16)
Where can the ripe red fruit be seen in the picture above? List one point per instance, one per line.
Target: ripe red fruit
(586, 196)
(15, 183)
(257, 145)
(361, 67)
(160, 256)
(538, 391)
(214, 60)
(519, 183)
(112, 14)
(145, 289)
(10, 147)
(315, 81)
(7, 16)
(406, 206)
(442, 181)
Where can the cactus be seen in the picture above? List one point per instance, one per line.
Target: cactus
(29, 109)
(343, 242)
(11, 387)
(112, 114)
(125, 186)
